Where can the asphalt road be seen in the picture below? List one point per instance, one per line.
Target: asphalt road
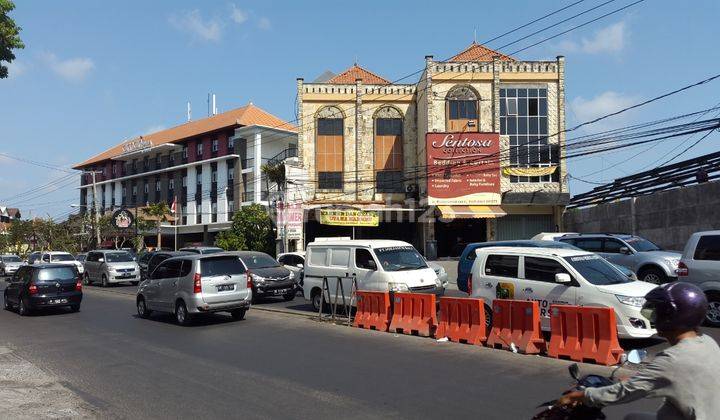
(274, 365)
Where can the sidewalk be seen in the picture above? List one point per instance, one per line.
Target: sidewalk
(30, 393)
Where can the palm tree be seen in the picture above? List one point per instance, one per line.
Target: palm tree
(157, 211)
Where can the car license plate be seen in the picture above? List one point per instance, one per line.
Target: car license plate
(57, 301)
(279, 291)
(225, 287)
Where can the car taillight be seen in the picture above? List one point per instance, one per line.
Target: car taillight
(469, 284)
(32, 289)
(78, 284)
(197, 283)
(682, 269)
(249, 280)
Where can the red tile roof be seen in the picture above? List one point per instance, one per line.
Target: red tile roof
(349, 76)
(244, 116)
(477, 52)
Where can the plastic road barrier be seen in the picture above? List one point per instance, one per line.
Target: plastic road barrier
(373, 310)
(413, 314)
(462, 320)
(516, 326)
(584, 334)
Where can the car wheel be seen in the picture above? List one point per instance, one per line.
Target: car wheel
(653, 275)
(238, 314)
(316, 300)
(142, 310)
(86, 280)
(712, 317)
(181, 314)
(105, 281)
(74, 308)
(488, 318)
(290, 295)
(23, 309)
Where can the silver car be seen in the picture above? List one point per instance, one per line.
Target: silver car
(189, 285)
(700, 265)
(651, 263)
(108, 266)
(9, 264)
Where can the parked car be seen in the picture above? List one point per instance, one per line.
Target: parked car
(193, 284)
(700, 265)
(81, 257)
(59, 257)
(107, 267)
(467, 258)
(33, 257)
(268, 277)
(550, 236)
(9, 264)
(381, 265)
(202, 249)
(560, 276)
(155, 258)
(295, 262)
(43, 285)
(651, 263)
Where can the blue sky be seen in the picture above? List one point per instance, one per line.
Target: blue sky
(96, 73)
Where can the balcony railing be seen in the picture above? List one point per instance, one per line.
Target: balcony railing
(291, 151)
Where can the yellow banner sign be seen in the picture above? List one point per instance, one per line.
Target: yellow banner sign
(349, 217)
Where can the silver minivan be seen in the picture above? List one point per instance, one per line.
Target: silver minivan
(110, 266)
(189, 285)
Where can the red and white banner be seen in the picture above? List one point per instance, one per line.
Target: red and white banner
(463, 168)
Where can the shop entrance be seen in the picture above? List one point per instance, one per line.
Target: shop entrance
(386, 230)
(452, 236)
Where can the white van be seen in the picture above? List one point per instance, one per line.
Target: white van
(560, 276)
(376, 264)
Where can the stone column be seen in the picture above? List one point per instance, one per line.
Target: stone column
(496, 94)
(562, 167)
(222, 182)
(358, 139)
(257, 163)
(300, 119)
(191, 188)
(206, 199)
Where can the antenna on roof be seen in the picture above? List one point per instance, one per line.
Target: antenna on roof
(189, 111)
(474, 35)
(214, 105)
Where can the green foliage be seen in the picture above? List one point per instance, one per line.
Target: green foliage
(251, 229)
(9, 36)
(275, 173)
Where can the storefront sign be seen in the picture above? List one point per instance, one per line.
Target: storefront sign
(136, 144)
(463, 168)
(122, 219)
(349, 217)
(290, 217)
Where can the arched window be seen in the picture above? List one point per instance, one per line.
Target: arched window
(329, 148)
(462, 103)
(388, 148)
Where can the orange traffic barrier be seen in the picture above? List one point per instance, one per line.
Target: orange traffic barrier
(584, 334)
(462, 320)
(373, 310)
(413, 314)
(516, 323)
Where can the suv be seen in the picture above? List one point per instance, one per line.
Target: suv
(295, 262)
(203, 249)
(59, 257)
(193, 284)
(9, 264)
(150, 260)
(651, 263)
(700, 265)
(106, 267)
(267, 276)
(43, 286)
(560, 276)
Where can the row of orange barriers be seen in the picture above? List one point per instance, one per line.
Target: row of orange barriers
(579, 333)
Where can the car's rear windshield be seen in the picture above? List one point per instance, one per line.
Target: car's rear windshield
(221, 266)
(260, 261)
(597, 270)
(113, 257)
(63, 257)
(10, 259)
(57, 273)
(642, 245)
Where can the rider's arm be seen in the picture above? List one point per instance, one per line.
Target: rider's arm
(647, 382)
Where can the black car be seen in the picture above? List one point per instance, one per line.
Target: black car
(269, 277)
(41, 286)
(150, 260)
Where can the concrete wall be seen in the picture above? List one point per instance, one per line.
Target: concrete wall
(667, 218)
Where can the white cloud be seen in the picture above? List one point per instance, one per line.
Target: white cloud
(264, 23)
(609, 39)
(71, 69)
(237, 15)
(193, 22)
(602, 104)
(16, 68)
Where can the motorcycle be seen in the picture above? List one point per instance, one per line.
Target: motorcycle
(553, 411)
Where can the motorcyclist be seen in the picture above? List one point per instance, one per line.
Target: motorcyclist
(686, 375)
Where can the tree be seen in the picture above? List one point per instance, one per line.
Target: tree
(251, 229)
(9, 36)
(275, 173)
(157, 211)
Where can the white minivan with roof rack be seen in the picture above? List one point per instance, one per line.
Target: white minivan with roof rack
(376, 265)
(560, 276)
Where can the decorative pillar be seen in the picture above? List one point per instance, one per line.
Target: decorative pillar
(191, 183)
(257, 163)
(222, 183)
(205, 207)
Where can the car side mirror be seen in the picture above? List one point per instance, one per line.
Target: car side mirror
(562, 278)
(625, 250)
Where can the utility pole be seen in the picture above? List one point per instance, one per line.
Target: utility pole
(95, 209)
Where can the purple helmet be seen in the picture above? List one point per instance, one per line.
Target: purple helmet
(675, 306)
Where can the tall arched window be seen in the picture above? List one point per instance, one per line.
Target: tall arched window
(388, 147)
(329, 148)
(462, 109)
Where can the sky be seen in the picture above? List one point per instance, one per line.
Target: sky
(96, 73)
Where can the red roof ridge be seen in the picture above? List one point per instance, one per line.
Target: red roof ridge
(357, 72)
(478, 52)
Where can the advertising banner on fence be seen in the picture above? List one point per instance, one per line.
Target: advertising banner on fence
(349, 217)
(463, 168)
